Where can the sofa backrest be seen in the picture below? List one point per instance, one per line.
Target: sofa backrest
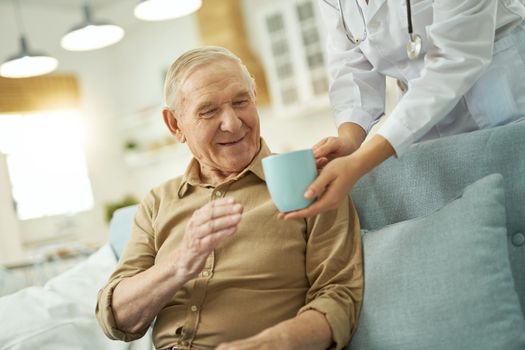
(120, 228)
(433, 173)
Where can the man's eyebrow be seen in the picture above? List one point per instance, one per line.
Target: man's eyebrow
(207, 104)
(244, 93)
(204, 105)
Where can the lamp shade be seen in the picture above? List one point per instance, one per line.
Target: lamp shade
(27, 64)
(91, 35)
(160, 10)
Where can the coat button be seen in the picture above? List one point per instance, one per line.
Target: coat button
(194, 308)
(518, 239)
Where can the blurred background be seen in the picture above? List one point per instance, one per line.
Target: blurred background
(88, 137)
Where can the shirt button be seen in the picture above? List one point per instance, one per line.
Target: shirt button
(194, 308)
(205, 273)
(218, 194)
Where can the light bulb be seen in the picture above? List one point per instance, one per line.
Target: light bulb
(160, 10)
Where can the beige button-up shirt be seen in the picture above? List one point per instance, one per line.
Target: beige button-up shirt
(269, 271)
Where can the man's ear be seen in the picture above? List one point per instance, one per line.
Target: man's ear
(172, 123)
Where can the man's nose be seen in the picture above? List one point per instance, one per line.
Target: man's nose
(230, 121)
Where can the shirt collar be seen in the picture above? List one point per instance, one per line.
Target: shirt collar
(191, 175)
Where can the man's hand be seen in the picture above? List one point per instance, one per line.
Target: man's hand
(208, 227)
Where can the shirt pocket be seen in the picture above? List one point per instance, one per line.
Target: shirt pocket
(495, 98)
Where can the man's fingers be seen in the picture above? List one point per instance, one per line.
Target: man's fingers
(209, 242)
(216, 225)
(215, 210)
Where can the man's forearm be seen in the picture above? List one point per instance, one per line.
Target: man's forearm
(137, 300)
(309, 330)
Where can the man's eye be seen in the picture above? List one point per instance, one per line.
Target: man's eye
(208, 113)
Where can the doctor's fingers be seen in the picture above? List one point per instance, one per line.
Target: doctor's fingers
(321, 162)
(331, 193)
(330, 148)
(330, 188)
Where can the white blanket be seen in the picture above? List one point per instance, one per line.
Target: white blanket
(61, 315)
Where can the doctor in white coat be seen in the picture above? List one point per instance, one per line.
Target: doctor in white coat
(462, 61)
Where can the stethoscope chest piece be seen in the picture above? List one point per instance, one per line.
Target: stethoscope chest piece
(414, 46)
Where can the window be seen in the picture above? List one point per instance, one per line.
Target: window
(294, 55)
(46, 163)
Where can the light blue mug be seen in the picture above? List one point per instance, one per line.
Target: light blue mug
(287, 176)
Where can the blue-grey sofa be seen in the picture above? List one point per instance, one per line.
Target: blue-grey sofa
(441, 273)
(444, 244)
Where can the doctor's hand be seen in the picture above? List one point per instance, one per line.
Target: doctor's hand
(330, 148)
(208, 227)
(350, 138)
(338, 177)
(331, 187)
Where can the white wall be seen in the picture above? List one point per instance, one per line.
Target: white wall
(11, 246)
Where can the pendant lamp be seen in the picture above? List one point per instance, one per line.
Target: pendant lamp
(26, 63)
(91, 35)
(160, 10)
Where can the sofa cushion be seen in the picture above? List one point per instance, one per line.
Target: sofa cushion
(443, 281)
(433, 173)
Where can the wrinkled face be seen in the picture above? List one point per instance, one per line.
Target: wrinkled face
(217, 117)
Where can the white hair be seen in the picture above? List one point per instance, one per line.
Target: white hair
(192, 59)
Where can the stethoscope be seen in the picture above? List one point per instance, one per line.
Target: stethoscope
(414, 42)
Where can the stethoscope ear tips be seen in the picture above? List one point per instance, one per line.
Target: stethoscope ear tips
(414, 46)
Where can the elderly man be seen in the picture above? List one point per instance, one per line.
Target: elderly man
(209, 262)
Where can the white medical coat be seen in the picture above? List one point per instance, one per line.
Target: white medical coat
(470, 74)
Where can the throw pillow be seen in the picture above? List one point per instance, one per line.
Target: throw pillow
(443, 281)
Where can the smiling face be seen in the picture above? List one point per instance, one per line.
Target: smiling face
(216, 115)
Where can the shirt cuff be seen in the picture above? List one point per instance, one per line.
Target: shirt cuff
(399, 136)
(357, 116)
(337, 319)
(106, 318)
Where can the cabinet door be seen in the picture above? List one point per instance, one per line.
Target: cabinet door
(293, 54)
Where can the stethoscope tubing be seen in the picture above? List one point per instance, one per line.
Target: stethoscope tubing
(413, 45)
